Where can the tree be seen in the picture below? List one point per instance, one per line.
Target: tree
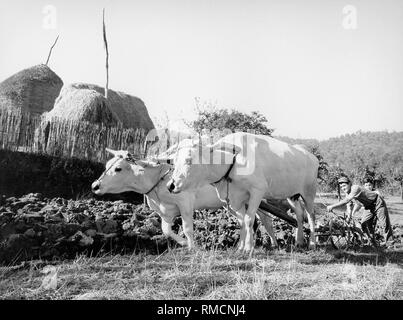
(398, 176)
(211, 118)
(368, 154)
(331, 177)
(323, 165)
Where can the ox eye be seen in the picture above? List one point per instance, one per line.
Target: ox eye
(118, 169)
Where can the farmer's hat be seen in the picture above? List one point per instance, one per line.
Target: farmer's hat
(369, 180)
(343, 180)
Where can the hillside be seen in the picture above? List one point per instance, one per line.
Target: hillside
(372, 147)
(360, 154)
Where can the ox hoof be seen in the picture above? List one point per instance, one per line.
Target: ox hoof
(312, 246)
(192, 248)
(298, 248)
(247, 251)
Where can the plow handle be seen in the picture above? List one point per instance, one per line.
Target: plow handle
(265, 206)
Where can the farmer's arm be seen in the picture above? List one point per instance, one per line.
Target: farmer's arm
(353, 193)
(357, 207)
(339, 204)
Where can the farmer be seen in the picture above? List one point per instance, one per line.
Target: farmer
(367, 217)
(369, 185)
(372, 202)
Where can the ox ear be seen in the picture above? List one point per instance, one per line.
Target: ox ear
(168, 154)
(146, 164)
(225, 146)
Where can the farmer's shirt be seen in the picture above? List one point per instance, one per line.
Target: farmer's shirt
(368, 198)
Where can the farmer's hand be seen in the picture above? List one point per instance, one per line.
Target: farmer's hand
(329, 208)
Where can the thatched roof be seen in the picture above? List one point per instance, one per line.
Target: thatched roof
(32, 90)
(80, 101)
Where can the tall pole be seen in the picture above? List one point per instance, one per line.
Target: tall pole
(50, 51)
(338, 186)
(107, 54)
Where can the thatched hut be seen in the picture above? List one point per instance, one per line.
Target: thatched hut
(86, 102)
(31, 90)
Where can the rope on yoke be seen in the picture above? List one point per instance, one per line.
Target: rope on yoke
(226, 176)
(228, 179)
(159, 180)
(130, 158)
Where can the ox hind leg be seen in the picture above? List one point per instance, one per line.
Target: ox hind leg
(299, 212)
(268, 224)
(309, 209)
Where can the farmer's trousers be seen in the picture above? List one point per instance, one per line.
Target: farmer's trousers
(380, 211)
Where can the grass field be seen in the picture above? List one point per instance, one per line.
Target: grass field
(179, 274)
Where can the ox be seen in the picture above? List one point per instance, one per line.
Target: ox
(256, 167)
(124, 173)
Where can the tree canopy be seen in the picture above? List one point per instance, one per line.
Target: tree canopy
(213, 118)
(361, 155)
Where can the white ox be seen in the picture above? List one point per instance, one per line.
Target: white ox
(259, 167)
(123, 173)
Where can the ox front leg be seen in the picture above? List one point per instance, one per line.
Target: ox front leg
(168, 232)
(187, 224)
(240, 214)
(253, 205)
(241, 244)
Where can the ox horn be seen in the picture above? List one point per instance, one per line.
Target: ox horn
(225, 146)
(110, 151)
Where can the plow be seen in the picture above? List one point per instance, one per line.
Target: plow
(338, 231)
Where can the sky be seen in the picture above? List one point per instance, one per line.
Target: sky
(315, 69)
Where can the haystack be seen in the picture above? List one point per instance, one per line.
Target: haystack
(86, 102)
(32, 90)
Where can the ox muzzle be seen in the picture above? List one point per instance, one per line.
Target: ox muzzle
(95, 187)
